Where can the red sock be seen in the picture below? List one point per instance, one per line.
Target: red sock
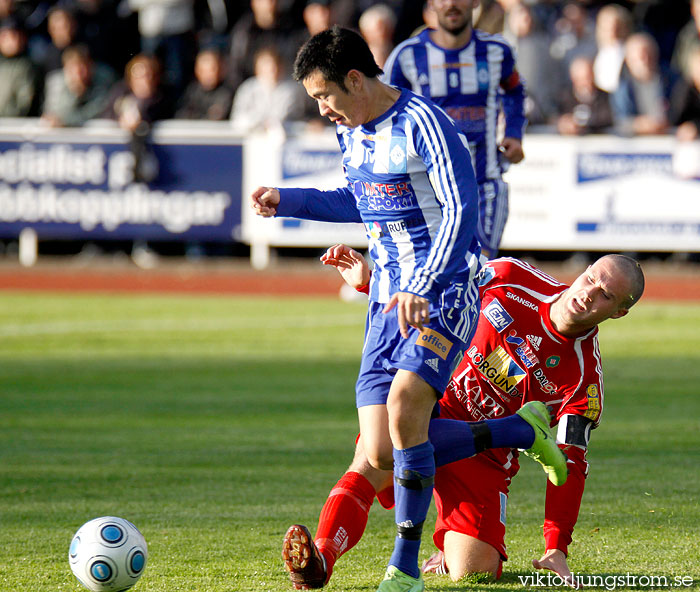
(344, 517)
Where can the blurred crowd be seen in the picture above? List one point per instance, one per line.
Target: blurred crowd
(590, 66)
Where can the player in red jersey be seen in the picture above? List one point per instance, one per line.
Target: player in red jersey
(536, 340)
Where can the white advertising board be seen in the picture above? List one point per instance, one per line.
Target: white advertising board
(591, 193)
(603, 193)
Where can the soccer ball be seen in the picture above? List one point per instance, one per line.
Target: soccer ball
(108, 554)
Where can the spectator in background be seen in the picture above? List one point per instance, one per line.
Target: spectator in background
(167, 31)
(264, 26)
(62, 27)
(535, 64)
(574, 35)
(9, 8)
(316, 15)
(317, 18)
(662, 20)
(613, 26)
(640, 103)
(687, 41)
(140, 98)
(113, 38)
(377, 25)
(136, 102)
(79, 91)
(347, 13)
(268, 99)
(207, 96)
(489, 16)
(685, 102)
(409, 17)
(20, 88)
(583, 107)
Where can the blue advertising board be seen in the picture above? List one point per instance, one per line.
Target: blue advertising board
(81, 187)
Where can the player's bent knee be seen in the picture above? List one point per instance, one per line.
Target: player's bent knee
(380, 462)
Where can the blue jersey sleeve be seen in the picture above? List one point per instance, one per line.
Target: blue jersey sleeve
(513, 98)
(448, 165)
(337, 205)
(393, 72)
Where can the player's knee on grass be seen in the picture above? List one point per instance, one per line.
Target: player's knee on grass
(465, 556)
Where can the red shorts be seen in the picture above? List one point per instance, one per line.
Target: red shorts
(471, 497)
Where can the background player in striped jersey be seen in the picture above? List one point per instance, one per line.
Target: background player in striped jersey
(536, 340)
(472, 75)
(410, 181)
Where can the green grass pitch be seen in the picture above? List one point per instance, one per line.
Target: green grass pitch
(213, 423)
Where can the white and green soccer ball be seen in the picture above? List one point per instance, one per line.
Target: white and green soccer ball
(108, 554)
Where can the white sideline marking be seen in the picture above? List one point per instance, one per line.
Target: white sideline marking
(165, 325)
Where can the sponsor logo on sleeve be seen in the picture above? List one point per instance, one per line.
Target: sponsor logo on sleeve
(435, 342)
(593, 395)
(497, 315)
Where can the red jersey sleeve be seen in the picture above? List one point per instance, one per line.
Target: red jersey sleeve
(563, 502)
(587, 397)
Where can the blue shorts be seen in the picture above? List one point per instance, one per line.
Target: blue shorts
(432, 354)
(493, 214)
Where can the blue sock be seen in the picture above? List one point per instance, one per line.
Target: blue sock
(511, 432)
(455, 439)
(414, 473)
(452, 439)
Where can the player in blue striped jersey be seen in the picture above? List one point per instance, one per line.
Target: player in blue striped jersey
(473, 77)
(411, 182)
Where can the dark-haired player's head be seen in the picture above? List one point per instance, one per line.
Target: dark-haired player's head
(335, 52)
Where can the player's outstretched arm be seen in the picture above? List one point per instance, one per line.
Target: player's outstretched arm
(351, 265)
(555, 560)
(264, 200)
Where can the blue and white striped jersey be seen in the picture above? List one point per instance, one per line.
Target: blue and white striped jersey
(470, 83)
(411, 183)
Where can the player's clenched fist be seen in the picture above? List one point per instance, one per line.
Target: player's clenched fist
(264, 200)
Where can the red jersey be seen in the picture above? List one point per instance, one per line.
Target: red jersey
(517, 356)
